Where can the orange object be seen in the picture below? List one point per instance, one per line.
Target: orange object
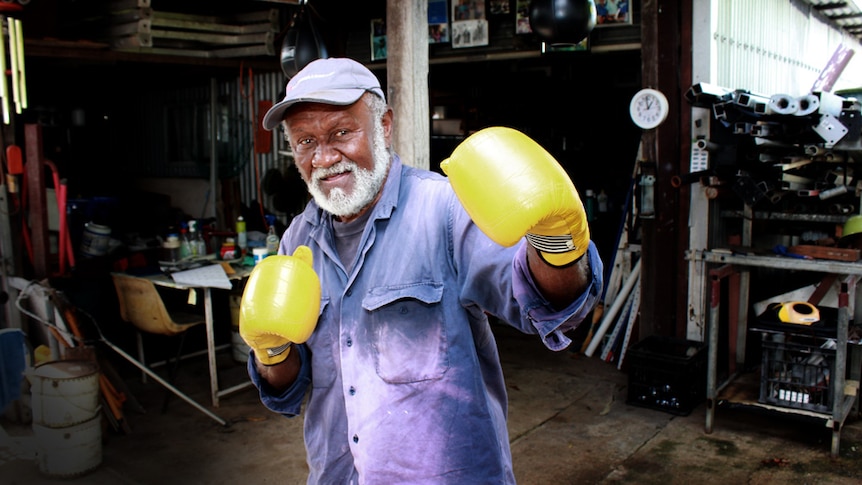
(262, 138)
(13, 160)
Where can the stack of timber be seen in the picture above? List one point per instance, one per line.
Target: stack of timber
(136, 26)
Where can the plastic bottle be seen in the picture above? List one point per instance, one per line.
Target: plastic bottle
(200, 242)
(590, 204)
(241, 236)
(185, 242)
(603, 201)
(196, 240)
(271, 237)
(171, 248)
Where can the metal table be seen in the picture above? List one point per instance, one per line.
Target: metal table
(239, 273)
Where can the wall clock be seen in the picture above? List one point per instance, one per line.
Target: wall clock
(648, 108)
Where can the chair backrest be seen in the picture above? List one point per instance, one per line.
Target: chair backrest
(142, 306)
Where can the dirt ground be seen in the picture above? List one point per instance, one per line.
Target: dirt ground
(568, 424)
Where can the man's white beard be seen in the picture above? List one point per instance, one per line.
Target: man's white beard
(366, 182)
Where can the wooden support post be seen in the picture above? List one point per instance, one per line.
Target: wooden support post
(36, 199)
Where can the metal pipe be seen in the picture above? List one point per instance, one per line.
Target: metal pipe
(165, 383)
(782, 104)
(615, 308)
(833, 192)
(707, 145)
(4, 88)
(214, 192)
(19, 46)
(13, 65)
(808, 104)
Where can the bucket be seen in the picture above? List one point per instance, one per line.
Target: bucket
(94, 240)
(239, 349)
(71, 451)
(64, 392)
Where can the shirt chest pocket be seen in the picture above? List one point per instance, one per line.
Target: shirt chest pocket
(408, 332)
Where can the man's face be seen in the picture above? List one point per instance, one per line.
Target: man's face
(342, 154)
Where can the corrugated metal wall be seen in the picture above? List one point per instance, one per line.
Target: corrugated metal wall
(245, 99)
(776, 46)
(175, 139)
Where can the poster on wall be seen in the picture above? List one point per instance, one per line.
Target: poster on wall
(613, 12)
(522, 17)
(438, 21)
(498, 7)
(378, 39)
(469, 24)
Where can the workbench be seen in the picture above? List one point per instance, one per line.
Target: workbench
(720, 265)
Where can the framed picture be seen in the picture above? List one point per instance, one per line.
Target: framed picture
(438, 21)
(468, 10)
(378, 39)
(469, 23)
(522, 17)
(613, 12)
(498, 7)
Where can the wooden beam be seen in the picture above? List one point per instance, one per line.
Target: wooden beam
(660, 41)
(36, 199)
(407, 79)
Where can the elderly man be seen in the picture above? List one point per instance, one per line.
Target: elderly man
(376, 307)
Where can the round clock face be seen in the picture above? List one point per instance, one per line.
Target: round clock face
(648, 108)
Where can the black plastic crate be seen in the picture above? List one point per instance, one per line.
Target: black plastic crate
(667, 374)
(796, 371)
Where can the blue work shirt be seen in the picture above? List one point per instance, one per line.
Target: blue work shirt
(404, 383)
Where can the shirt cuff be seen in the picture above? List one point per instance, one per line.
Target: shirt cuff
(549, 323)
(288, 402)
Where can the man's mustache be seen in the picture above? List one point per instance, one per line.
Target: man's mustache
(338, 168)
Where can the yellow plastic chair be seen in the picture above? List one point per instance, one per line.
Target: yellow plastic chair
(142, 306)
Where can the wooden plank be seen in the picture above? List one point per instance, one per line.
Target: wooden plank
(826, 252)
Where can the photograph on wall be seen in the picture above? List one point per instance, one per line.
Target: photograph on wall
(438, 21)
(613, 12)
(469, 24)
(522, 17)
(468, 10)
(469, 33)
(498, 7)
(378, 39)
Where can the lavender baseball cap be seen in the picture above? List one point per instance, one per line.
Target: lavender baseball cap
(338, 81)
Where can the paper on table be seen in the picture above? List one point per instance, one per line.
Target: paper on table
(211, 275)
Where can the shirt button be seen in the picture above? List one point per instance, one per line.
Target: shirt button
(349, 292)
(352, 390)
(355, 438)
(349, 342)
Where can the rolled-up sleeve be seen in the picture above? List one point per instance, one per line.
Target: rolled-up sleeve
(551, 324)
(289, 402)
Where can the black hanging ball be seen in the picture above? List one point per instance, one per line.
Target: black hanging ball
(562, 21)
(302, 44)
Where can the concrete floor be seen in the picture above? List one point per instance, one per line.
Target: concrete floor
(569, 424)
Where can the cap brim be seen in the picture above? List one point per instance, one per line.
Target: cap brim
(338, 97)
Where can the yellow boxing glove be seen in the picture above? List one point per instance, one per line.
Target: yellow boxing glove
(280, 305)
(512, 188)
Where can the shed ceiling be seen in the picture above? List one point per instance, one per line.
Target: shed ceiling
(846, 14)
